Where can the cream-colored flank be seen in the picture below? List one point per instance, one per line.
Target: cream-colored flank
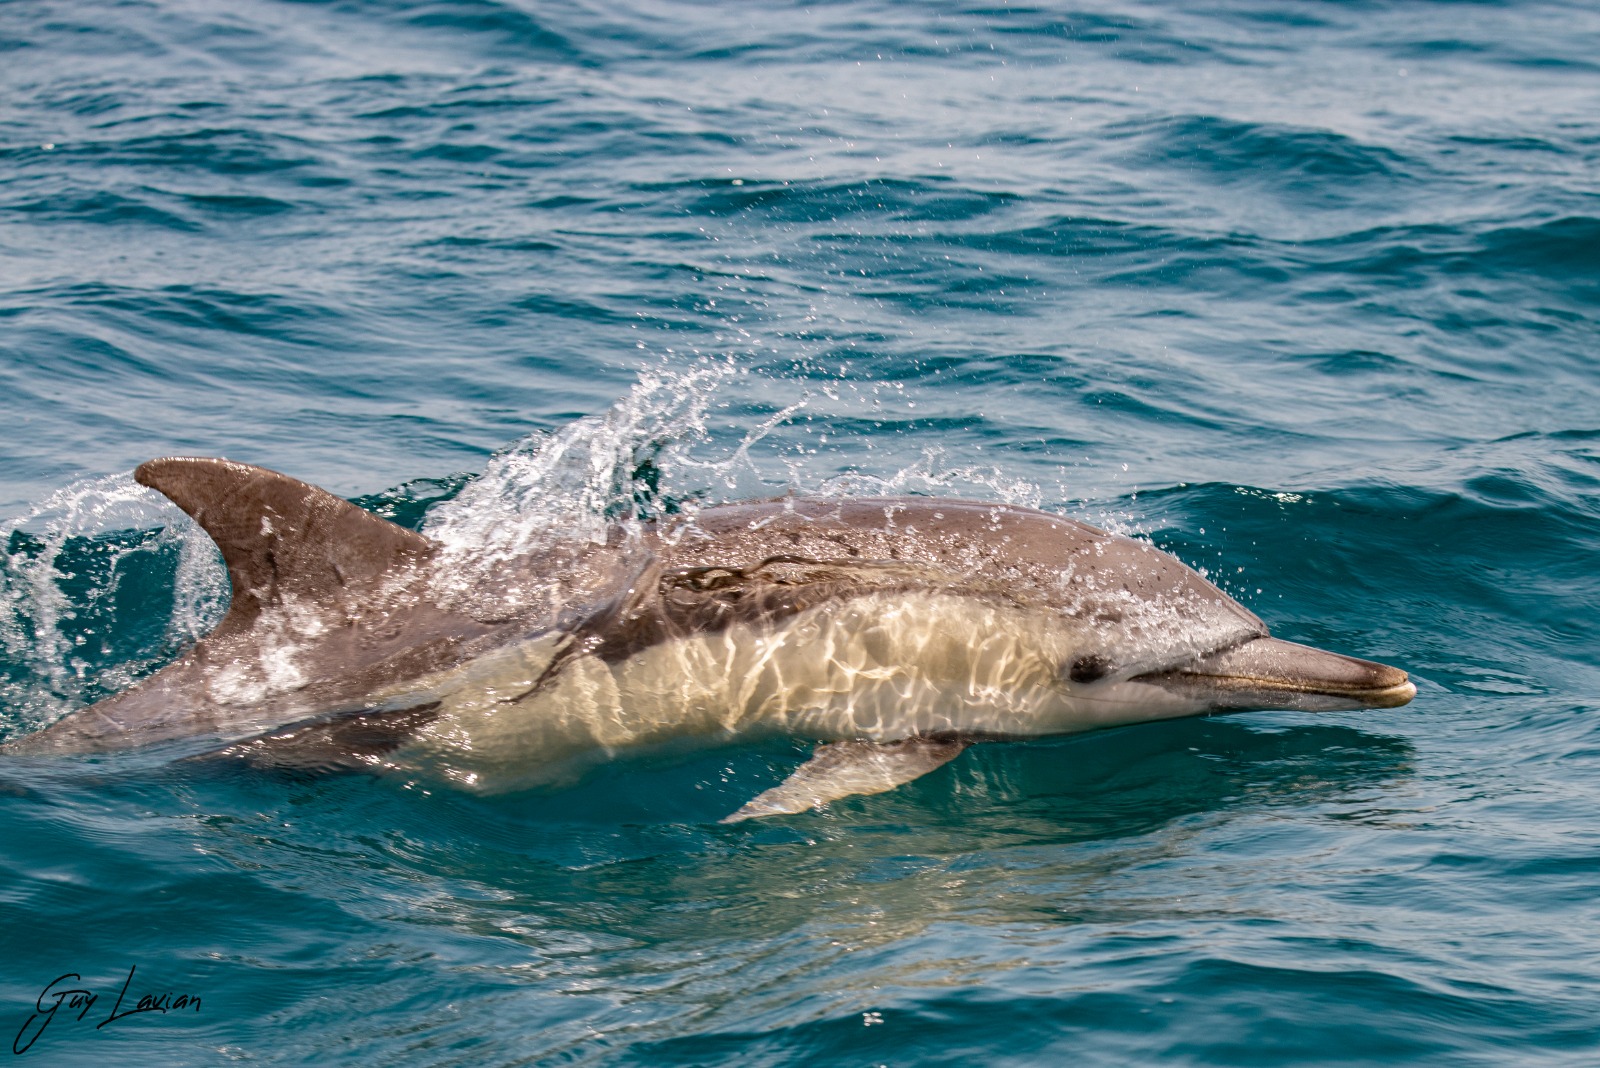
(878, 667)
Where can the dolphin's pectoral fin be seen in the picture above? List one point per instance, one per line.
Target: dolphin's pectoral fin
(840, 769)
(350, 742)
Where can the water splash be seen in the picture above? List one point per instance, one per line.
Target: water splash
(571, 484)
(99, 582)
(934, 475)
(674, 444)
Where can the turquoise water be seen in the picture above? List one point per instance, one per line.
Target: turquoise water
(1306, 293)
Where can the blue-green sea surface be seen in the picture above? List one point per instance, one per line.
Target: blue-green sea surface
(1307, 293)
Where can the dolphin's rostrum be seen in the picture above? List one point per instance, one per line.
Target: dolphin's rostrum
(893, 631)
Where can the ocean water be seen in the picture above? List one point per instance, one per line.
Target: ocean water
(1307, 293)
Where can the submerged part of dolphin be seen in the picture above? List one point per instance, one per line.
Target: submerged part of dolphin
(895, 631)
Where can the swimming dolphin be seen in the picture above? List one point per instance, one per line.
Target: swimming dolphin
(893, 631)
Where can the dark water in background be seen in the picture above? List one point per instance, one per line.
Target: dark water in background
(1307, 292)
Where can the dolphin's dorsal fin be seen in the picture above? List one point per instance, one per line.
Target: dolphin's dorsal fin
(281, 537)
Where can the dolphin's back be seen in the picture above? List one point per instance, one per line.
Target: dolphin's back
(1123, 587)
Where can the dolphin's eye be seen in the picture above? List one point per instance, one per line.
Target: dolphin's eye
(1089, 668)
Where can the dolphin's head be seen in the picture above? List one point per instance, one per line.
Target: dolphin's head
(1252, 672)
(1153, 639)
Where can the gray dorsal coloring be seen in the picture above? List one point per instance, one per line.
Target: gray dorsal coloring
(281, 537)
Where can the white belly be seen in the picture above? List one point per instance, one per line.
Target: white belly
(879, 667)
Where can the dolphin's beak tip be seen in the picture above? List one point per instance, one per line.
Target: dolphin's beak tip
(1400, 693)
(1386, 687)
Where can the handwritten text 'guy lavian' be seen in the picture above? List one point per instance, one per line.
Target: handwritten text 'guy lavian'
(58, 994)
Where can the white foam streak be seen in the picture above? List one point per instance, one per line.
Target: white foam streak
(92, 536)
(931, 475)
(660, 448)
(566, 485)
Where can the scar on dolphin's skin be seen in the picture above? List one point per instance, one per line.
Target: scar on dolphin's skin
(894, 632)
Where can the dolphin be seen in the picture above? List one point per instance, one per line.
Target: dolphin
(892, 631)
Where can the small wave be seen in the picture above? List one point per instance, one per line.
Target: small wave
(1500, 542)
(1561, 248)
(1082, 236)
(899, 199)
(1152, 40)
(1566, 248)
(237, 204)
(187, 307)
(220, 150)
(104, 208)
(506, 27)
(1291, 160)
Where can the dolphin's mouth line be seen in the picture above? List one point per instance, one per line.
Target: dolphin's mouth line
(1279, 685)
